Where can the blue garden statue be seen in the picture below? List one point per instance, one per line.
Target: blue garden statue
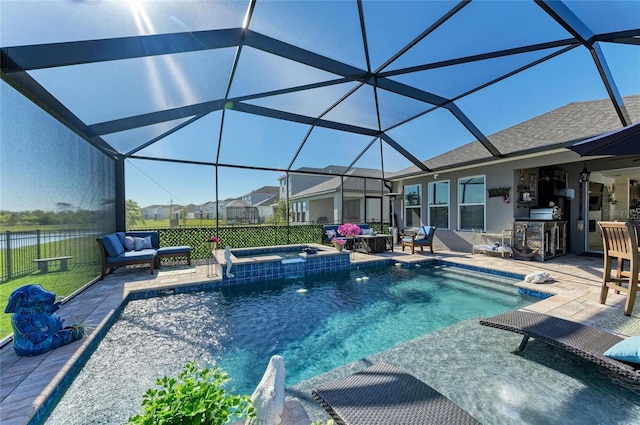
(36, 326)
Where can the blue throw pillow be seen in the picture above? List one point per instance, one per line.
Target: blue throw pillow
(424, 233)
(129, 243)
(142, 243)
(627, 350)
(120, 236)
(112, 245)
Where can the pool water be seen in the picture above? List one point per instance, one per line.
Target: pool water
(284, 253)
(316, 324)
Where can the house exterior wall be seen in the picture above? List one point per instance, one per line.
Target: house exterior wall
(155, 213)
(264, 212)
(300, 182)
(321, 210)
(500, 215)
(256, 198)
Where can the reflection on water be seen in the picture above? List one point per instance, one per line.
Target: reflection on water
(340, 318)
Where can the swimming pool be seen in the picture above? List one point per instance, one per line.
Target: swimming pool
(316, 323)
(284, 252)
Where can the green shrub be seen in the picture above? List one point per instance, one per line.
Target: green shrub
(196, 397)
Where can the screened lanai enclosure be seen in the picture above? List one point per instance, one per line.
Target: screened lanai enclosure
(116, 109)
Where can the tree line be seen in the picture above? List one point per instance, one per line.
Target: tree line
(66, 215)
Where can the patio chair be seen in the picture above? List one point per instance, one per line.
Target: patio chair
(620, 241)
(584, 341)
(383, 395)
(423, 237)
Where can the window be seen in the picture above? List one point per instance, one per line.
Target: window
(471, 203)
(412, 205)
(352, 210)
(439, 204)
(305, 211)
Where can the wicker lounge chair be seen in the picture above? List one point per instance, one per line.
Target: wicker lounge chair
(587, 342)
(385, 395)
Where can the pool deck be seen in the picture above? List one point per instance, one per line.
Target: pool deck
(26, 382)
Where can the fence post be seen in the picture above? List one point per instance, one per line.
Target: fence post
(38, 243)
(8, 254)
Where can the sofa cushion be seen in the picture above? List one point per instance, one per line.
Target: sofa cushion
(142, 243)
(424, 234)
(145, 254)
(120, 236)
(627, 350)
(129, 243)
(155, 237)
(174, 250)
(112, 245)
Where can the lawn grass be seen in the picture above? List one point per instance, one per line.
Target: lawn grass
(83, 249)
(149, 223)
(85, 266)
(62, 284)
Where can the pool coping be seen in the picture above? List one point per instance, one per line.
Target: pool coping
(39, 381)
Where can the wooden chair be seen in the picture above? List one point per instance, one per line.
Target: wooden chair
(620, 241)
(423, 237)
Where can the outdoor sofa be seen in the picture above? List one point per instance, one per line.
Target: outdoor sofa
(590, 343)
(330, 231)
(139, 247)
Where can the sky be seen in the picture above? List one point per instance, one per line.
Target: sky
(107, 91)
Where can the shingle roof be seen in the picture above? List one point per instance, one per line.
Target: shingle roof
(270, 190)
(354, 184)
(556, 129)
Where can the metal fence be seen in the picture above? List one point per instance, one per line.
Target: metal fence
(19, 249)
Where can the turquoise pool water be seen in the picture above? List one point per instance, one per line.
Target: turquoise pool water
(316, 324)
(295, 251)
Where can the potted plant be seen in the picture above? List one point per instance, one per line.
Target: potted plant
(212, 242)
(194, 397)
(338, 243)
(349, 230)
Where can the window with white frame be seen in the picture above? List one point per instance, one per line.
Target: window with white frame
(305, 211)
(471, 198)
(412, 205)
(439, 204)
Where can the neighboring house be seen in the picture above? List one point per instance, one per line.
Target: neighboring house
(258, 196)
(191, 211)
(326, 199)
(161, 212)
(208, 210)
(241, 212)
(454, 195)
(222, 207)
(267, 208)
(263, 199)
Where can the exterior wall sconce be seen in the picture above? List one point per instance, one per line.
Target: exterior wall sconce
(585, 174)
